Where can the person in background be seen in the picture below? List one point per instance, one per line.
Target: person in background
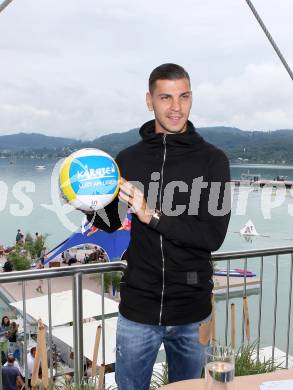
(41, 265)
(30, 363)
(39, 242)
(8, 266)
(11, 376)
(5, 325)
(3, 358)
(43, 253)
(88, 369)
(70, 257)
(19, 236)
(102, 256)
(12, 333)
(28, 239)
(67, 256)
(94, 256)
(15, 364)
(69, 375)
(72, 260)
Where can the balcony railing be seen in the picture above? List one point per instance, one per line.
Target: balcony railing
(76, 273)
(276, 256)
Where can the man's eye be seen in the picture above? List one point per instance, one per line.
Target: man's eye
(165, 97)
(185, 96)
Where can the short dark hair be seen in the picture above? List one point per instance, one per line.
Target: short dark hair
(10, 358)
(167, 71)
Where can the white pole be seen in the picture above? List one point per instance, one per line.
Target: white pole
(5, 4)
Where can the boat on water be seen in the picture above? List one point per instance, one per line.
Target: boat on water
(40, 167)
(12, 159)
(238, 272)
(249, 229)
(250, 178)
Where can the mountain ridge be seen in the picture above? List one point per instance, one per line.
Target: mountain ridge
(240, 145)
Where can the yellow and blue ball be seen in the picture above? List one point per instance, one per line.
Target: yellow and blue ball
(89, 179)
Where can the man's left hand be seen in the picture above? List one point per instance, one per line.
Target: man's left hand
(135, 198)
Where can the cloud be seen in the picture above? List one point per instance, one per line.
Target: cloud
(260, 98)
(81, 68)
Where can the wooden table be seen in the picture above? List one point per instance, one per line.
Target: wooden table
(250, 382)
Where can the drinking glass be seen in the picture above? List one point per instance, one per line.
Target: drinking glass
(219, 368)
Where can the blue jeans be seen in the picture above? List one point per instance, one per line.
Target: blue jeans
(137, 346)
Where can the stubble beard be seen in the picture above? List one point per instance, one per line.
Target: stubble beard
(169, 131)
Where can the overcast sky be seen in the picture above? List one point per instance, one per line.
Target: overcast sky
(79, 68)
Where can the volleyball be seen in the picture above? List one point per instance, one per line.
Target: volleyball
(89, 179)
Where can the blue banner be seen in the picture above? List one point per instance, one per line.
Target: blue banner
(114, 243)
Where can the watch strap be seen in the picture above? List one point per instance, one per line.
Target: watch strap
(155, 219)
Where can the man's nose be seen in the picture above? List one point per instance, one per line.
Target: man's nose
(176, 105)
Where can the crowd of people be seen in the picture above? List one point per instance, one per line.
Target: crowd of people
(9, 329)
(20, 240)
(98, 255)
(12, 374)
(68, 257)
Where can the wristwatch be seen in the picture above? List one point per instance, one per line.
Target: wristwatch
(155, 219)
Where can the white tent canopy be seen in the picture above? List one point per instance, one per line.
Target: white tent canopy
(62, 307)
(65, 335)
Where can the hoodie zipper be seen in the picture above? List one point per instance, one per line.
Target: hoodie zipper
(161, 237)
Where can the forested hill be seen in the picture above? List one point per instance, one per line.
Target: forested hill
(275, 147)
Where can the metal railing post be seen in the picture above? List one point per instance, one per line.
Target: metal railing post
(259, 309)
(227, 302)
(77, 328)
(275, 308)
(25, 332)
(1, 386)
(103, 320)
(289, 312)
(244, 296)
(50, 332)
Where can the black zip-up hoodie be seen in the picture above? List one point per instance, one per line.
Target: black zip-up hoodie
(168, 280)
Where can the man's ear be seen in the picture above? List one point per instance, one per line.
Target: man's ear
(149, 101)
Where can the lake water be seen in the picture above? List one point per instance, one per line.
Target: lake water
(275, 229)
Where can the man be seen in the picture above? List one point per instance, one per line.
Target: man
(174, 182)
(30, 363)
(11, 376)
(67, 256)
(8, 266)
(18, 237)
